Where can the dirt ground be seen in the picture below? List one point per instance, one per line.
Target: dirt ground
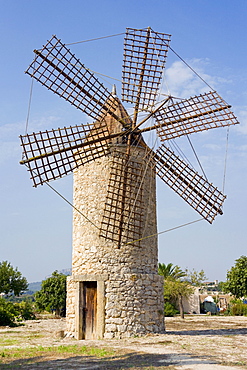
(197, 342)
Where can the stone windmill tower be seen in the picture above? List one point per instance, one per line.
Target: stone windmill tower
(115, 290)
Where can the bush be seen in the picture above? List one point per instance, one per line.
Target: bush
(6, 317)
(170, 310)
(238, 309)
(7, 313)
(25, 310)
(11, 312)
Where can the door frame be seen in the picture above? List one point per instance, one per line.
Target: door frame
(100, 321)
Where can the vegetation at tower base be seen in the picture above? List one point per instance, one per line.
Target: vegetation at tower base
(11, 280)
(175, 288)
(52, 296)
(178, 284)
(236, 282)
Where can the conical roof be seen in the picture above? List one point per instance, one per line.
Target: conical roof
(108, 124)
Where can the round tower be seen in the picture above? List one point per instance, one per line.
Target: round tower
(115, 289)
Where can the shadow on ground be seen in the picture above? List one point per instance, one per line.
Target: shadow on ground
(240, 331)
(128, 361)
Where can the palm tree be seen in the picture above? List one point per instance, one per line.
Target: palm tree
(170, 271)
(174, 288)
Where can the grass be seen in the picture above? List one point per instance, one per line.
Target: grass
(9, 354)
(234, 363)
(8, 342)
(8, 338)
(165, 342)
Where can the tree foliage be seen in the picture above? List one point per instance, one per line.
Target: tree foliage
(170, 309)
(176, 287)
(195, 278)
(176, 290)
(237, 278)
(52, 295)
(11, 280)
(11, 312)
(170, 270)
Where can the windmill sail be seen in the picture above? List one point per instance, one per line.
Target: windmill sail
(145, 54)
(206, 199)
(198, 113)
(55, 153)
(122, 219)
(60, 71)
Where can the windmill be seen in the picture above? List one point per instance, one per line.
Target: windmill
(118, 137)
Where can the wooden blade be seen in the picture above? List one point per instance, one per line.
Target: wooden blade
(206, 199)
(52, 154)
(61, 72)
(122, 220)
(145, 54)
(198, 113)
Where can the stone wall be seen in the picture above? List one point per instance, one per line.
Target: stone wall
(133, 291)
(133, 305)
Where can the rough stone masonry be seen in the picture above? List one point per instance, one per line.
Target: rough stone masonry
(129, 289)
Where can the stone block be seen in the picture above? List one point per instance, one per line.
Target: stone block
(110, 327)
(109, 335)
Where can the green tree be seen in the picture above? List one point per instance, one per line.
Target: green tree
(11, 280)
(52, 295)
(170, 270)
(194, 277)
(236, 282)
(175, 287)
(176, 290)
(222, 286)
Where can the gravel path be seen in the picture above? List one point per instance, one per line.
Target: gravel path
(198, 342)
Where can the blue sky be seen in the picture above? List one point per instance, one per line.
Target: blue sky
(36, 225)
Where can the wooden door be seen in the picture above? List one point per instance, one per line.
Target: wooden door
(89, 321)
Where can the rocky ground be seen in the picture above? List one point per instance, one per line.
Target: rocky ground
(197, 342)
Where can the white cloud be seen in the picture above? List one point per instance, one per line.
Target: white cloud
(182, 82)
(9, 141)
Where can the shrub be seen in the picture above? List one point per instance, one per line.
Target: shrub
(25, 310)
(238, 309)
(7, 313)
(6, 317)
(170, 310)
(11, 312)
